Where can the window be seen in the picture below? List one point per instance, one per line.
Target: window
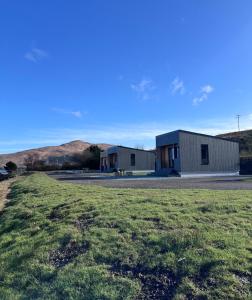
(175, 151)
(204, 155)
(132, 159)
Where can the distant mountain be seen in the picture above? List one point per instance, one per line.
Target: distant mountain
(64, 152)
(244, 138)
(51, 154)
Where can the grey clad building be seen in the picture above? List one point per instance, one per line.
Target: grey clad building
(128, 159)
(187, 153)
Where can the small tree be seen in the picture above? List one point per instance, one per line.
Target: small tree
(31, 160)
(70, 166)
(93, 161)
(39, 165)
(11, 166)
(89, 158)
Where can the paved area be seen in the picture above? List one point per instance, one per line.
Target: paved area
(145, 182)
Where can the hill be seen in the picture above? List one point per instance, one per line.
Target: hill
(51, 154)
(244, 138)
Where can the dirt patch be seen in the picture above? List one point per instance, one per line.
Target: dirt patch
(156, 222)
(58, 212)
(64, 255)
(4, 190)
(156, 284)
(86, 220)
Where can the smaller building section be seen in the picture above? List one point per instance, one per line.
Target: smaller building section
(187, 153)
(128, 159)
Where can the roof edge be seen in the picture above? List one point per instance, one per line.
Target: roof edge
(200, 134)
(131, 148)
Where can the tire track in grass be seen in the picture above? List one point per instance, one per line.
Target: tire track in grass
(4, 191)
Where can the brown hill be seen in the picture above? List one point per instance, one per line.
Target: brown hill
(244, 138)
(51, 154)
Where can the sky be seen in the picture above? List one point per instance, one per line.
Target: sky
(122, 71)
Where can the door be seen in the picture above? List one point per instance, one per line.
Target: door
(171, 157)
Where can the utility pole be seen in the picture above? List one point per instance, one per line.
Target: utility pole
(238, 119)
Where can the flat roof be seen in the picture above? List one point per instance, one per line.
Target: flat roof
(118, 146)
(200, 134)
(137, 149)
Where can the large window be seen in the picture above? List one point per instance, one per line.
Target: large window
(204, 154)
(176, 151)
(132, 159)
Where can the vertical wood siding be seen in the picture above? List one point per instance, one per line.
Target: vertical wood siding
(144, 160)
(223, 155)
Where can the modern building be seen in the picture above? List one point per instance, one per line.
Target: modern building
(187, 153)
(128, 159)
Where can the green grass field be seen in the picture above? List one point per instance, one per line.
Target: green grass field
(64, 241)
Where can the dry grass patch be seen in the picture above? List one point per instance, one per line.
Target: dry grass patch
(4, 190)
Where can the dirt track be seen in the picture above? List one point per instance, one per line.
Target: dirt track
(4, 190)
(213, 183)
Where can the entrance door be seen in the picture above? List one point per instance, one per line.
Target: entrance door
(164, 157)
(171, 157)
(112, 160)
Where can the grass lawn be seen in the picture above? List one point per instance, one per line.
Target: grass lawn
(65, 241)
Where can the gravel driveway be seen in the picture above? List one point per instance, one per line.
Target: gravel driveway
(145, 182)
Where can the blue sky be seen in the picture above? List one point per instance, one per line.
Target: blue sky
(122, 72)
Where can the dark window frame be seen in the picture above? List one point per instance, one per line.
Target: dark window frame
(176, 152)
(204, 154)
(132, 159)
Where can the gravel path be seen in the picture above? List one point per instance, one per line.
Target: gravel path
(214, 183)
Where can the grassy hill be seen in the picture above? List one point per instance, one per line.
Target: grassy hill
(53, 154)
(244, 138)
(64, 241)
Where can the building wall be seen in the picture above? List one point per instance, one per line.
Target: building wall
(167, 138)
(145, 160)
(223, 155)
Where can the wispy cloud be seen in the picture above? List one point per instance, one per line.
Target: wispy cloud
(144, 88)
(122, 133)
(207, 89)
(182, 20)
(36, 54)
(177, 86)
(120, 77)
(204, 93)
(77, 113)
(198, 100)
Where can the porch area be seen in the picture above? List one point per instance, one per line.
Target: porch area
(168, 162)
